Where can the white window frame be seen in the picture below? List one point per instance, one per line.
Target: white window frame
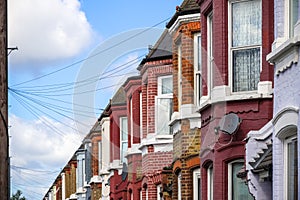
(196, 177)
(161, 96)
(210, 183)
(288, 29)
(286, 143)
(179, 75)
(141, 194)
(179, 186)
(147, 197)
(231, 49)
(123, 141)
(210, 58)
(158, 191)
(197, 69)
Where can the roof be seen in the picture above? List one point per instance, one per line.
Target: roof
(161, 50)
(187, 7)
(119, 97)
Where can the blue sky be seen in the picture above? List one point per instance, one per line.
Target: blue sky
(58, 36)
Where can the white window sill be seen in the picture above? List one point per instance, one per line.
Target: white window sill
(285, 54)
(224, 94)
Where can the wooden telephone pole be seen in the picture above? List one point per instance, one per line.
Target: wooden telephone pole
(4, 157)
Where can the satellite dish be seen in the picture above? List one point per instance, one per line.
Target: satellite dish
(230, 123)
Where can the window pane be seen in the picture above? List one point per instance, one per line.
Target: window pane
(239, 187)
(292, 170)
(124, 128)
(123, 151)
(100, 154)
(293, 15)
(164, 112)
(246, 69)
(199, 53)
(167, 85)
(246, 23)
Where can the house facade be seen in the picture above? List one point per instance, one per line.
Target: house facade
(156, 101)
(282, 131)
(132, 87)
(185, 124)
(118, 145)
(236, 92)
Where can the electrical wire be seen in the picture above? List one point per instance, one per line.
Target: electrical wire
(89, 80)
(57, 107)
(34, 101)
(96, 54)
(44, 121)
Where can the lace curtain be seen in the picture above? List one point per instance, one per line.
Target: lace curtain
(246, 39)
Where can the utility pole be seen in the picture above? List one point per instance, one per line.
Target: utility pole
(4, 157)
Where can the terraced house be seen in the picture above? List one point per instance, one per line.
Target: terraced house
(213, 112)
(236, 90)
(185, 123)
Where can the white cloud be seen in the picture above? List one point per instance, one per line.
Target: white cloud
(47, 30)
(36, 146)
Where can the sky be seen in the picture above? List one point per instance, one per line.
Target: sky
(72, 56)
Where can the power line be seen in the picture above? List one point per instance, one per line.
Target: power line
(96, 54)
(35, 114)
(90, 79)
(32, 106)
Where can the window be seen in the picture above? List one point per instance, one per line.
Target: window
(197, 68)
(179, 186)
(291, 168)
(164, 105)
(100, 155)
(196, 184)
(131, 121)
(159, 193)
(245, 47)
(237, 188)
(179, 74)
(210, 183)
(141, 116)
(123, 138)
(293, 6)
(210, 51)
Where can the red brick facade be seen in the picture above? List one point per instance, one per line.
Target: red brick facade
(219, 149)
(186, 142)
(154, 161)
(132, 89)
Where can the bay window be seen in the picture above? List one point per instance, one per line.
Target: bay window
(123, 138)
(245, 47)
(164, 105)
